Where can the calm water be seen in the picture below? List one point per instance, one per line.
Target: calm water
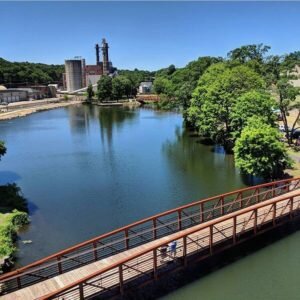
(87, 170)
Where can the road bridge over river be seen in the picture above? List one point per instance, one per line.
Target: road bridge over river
(115, 262)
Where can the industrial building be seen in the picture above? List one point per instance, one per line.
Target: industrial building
(78, 75)
(74, 74)
(25, 94)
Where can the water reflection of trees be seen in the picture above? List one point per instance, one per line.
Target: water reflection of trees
(111, 118)
(201, 164)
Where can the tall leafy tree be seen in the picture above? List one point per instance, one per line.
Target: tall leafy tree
(104, 88)
(118, 88)
(259, 152)
(215, 97)
(249, 104)
(90, 92)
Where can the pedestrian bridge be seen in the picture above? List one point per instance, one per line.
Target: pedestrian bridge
(110, 264)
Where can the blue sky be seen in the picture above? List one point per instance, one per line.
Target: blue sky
(144, 35)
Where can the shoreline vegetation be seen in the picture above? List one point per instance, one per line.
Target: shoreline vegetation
(13, 215)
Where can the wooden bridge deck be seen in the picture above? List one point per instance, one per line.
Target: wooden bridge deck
(189, 241)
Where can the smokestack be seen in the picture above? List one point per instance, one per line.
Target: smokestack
(97, 54)
(105, 57)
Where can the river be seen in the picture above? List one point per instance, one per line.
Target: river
(86, 170)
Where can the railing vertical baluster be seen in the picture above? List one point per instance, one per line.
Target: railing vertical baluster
(255, 221)
(222, 206)
(211, 239)
(81, 292)
(179, 220)
(291, 207)
(202, 212)
(184, 251)
(121, 286)
(19, 282)
(154, 228)
(155, 264)
(234, 230)
(59, 265)
(126, 239)
(257, 195)
(273, 190)
(95, 251)
(240, 200)
(274, 213)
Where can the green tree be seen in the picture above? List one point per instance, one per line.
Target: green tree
(246, 53)
(90, 92)
(217, 93)
(249, 104)
(163, 85)
(118, 88)
(104, 88)
(259, 151)
(2, 149)
(287, 97)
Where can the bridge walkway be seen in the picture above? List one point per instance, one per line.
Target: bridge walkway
(145, 260)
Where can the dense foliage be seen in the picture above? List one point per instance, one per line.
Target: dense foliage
(137, 76)
(25, 72)
(12, 198)
(176, 85)
(218, 102)
(258, 151)
(13, 214)
(9, 225)
(2, 149)
(115, 88)
(90, 92)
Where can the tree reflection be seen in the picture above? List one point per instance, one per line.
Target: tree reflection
(200, 164)
(111, 118)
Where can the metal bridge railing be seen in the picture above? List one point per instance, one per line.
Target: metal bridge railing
(203, 240)
(143, 231)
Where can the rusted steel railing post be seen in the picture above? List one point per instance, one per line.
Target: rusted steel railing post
(155, 264)
(95, 251)
(179, 219)
(240, 200)
(273, 190)
(126, 239)
(59, 265)
(201, 213)
(211, 239)
(274, 213)
(184, 251)
(222, 206)
(121, 285)
(255, 221)
(154, 228)
(291, 207)
(81, 292)
(257, 195)
(234, 230)
(19, 282)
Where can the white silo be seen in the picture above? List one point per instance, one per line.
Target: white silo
(74, 74)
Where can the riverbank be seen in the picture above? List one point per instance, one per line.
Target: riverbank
(22, 109)
(13, 215)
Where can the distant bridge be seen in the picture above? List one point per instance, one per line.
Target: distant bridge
(128, 257)
(144, 98)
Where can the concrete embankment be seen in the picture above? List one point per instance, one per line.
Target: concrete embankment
(24, 108)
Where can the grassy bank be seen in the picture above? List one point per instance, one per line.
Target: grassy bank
(9, 225)
(13, 215)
